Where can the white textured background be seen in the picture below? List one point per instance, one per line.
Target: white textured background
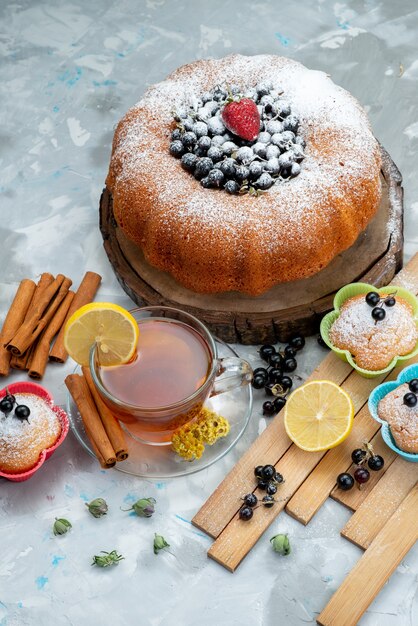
(68, 71)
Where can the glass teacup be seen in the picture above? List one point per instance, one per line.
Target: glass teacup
(175, 371)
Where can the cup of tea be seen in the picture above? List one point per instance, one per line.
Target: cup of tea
(176, 369)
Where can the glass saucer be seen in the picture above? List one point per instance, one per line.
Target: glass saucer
(150, 461)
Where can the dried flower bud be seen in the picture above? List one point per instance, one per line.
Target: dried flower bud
(108, 558)
(281, 544)
(144, 507)
(97, 507)
(159, 543)
(61, 526)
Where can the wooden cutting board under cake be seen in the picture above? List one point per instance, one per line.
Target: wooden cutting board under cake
(297, 306)
(384, 510)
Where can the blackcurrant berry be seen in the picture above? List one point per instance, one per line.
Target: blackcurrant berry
(271, 489)
(275, 360)
(261, 371)
(376, 462)
(245, 513)
(286, 383)
(250, 499)
(290, 364)
(189, 161)
(268, 501)
(372, 298)
(297, 342)
(268, 472)
(275, 375)
(6, 406)
(22, 411)
(345, 481)
(410, 399)
(258, 382)
(176, 148)
(378, 314)
(268, 408)
(266, 351)
(258, 471)
(390, 301)
(262, 484)
(278, 478)
(358, 455)
(413, 385)
(290, 351)
(362, 475)
(279, 403)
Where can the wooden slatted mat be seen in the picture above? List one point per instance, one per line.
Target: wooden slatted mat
(310, 477)
(385, 509)
(386, 551)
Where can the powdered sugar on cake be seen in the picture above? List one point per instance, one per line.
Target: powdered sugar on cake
(403, 420)
(374, 344)
(322, 210)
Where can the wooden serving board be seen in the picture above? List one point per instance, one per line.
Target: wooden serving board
(310, 478)
(299, 305)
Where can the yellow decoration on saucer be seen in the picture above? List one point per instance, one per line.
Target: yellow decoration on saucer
(108, 325)
(189, 440)
(318, 415)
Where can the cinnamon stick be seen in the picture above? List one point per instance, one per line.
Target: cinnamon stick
(100, 457)
(39, 357)
(84, 294)
(49, 301)
(110, 423)
(21, 362)
(94, 428)
(13, 321)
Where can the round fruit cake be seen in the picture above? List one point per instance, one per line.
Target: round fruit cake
(240, 173)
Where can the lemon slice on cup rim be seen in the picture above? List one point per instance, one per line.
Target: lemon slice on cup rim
(318, 415)
(111, 327)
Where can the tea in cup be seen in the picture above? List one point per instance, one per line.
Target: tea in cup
(176, 369)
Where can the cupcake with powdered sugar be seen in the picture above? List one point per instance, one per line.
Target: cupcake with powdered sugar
(375, 328)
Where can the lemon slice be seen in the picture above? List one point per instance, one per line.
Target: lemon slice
(108, 325)
(318, 415)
